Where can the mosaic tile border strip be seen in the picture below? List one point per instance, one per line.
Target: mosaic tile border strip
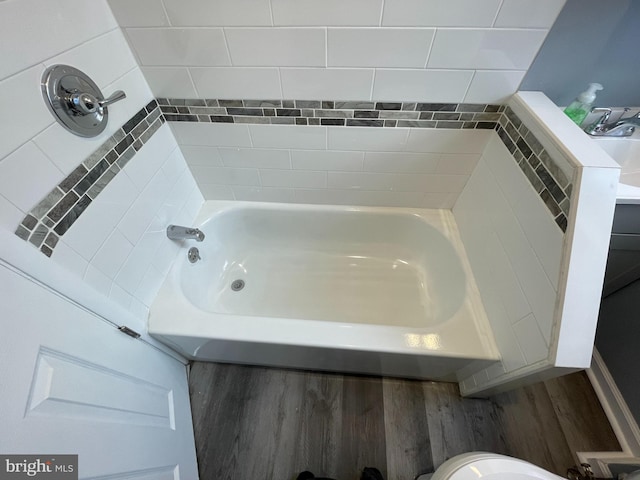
(544, 175)
(333, 113)
(51, 218)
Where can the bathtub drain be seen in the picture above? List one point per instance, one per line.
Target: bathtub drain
(237, 285)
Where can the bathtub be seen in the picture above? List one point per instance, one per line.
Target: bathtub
(384, 291)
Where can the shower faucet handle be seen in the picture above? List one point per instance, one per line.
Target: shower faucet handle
(86, 103)
(75, 100)
(113, 98)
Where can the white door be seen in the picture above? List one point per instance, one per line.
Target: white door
(71, 383)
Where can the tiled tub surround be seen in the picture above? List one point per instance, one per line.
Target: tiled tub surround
(114, 251)
(118, 263)
(539, 282)
(471, 51)
(540, 285)
(105, 221)
(249, 168)
(56, 213)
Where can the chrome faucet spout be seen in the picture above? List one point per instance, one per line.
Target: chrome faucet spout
(623, 127)
(176, 232)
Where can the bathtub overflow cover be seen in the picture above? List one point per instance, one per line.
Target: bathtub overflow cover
(237, 285)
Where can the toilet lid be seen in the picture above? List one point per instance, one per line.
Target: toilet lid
(489, 466)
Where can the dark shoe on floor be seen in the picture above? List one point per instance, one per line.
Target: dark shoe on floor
(370, 473)
(305, 476)
(310, 476)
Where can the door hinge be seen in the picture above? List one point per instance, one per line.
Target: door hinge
(129, 331)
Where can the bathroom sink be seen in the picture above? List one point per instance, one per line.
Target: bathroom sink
(623, 263)
(625, 151)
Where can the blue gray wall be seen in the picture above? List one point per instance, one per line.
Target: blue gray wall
(591, 41)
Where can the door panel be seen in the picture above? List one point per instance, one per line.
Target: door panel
(71, 383)
(68, 386)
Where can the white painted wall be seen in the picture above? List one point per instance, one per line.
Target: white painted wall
(115, 246)
(473, 51)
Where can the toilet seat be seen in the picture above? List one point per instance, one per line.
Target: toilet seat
(490, 466)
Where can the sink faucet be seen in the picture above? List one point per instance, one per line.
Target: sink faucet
(623, 127)
(176, 232)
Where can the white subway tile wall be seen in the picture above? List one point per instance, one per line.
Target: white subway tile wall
(331, 165)
(141, 13)
(378, 47)
(233, 82)
(493, 85)
(121, 235)
(399, 162)
(409, 85)
(407, 50)
(172, 82)
(23, 114)
(536, 14)
(285, 47)
(426, 148)
(36, 154)
(25, 24)
(83, 57)
(328, 12)
(20, 187)
(9, 213)
(285, 136)
(203, 13)
(485, 49)
(177, 46)
(222, 135)
(439, 13)
(323, 83)
(515, 275)
(255, 158)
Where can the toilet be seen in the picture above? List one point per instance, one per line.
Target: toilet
(488, 466)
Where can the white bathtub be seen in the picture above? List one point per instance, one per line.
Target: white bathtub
(366, 290)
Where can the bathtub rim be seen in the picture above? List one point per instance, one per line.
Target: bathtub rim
(199, 318)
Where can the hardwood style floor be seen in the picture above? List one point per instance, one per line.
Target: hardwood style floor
(265, 423)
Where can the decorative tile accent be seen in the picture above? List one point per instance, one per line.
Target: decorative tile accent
(52, 217)
(333, 113)
(544, 175)
(56, 213)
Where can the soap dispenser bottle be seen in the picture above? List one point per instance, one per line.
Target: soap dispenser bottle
(581, 106)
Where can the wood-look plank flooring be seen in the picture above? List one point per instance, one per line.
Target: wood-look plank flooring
(271, 424)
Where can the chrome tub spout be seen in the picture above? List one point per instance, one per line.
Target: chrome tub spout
(176, 232)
